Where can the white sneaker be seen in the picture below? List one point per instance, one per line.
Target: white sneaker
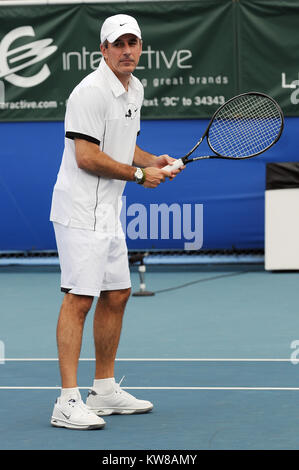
(117, 402)
(74, 414)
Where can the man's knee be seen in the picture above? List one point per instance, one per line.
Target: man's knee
(116, 298)
(78, 304)
(125, 294)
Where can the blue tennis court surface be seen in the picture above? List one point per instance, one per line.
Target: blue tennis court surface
(217, 358)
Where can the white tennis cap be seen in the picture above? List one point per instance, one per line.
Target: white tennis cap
(117, 25)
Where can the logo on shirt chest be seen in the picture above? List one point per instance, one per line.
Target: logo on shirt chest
(131, 111)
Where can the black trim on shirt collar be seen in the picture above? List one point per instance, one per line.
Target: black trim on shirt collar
(73, 135)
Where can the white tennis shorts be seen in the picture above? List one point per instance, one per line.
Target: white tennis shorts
(91, 262)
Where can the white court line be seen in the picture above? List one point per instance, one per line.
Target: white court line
(161, 360)
(155, 359)
(163, 388)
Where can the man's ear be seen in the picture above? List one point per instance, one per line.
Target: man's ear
(103, 50)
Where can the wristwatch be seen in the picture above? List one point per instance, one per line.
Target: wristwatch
(139, 176)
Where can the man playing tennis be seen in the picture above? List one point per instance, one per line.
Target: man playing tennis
(101, 126)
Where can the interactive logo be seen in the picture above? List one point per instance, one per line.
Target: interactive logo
(15, 60)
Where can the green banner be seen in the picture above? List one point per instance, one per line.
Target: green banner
(196, 54)
(268, 46)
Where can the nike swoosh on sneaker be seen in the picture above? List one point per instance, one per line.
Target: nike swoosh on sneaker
(66, 416)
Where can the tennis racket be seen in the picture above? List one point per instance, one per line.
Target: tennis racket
(245, 126)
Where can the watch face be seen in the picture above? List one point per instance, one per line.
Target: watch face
(138, 174)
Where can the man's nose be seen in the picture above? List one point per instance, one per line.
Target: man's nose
(127, 49)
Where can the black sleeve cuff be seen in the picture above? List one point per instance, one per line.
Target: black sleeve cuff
(65, 290)
(74, 135)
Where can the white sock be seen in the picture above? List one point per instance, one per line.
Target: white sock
(68, 393)
(104, 386)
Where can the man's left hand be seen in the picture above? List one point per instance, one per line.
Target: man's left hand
(164, 160)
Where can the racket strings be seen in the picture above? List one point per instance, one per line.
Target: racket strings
(248, 123)
(245, 126)
(250, 129)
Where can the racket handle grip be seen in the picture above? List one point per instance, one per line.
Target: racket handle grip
(177, 164)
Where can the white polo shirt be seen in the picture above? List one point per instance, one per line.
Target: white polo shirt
(101, 111)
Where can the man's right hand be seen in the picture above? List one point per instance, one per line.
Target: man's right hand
(154, 176)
